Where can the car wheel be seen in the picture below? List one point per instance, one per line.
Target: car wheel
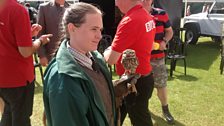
(191, 35)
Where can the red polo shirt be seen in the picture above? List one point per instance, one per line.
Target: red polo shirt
(136, 31)
(15, 70)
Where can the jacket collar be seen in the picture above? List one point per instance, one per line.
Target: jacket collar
(67, 64)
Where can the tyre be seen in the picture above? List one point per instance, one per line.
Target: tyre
(191, 35)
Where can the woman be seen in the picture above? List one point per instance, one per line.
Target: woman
(78, 90)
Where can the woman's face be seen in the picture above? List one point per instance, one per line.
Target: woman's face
(87, 36)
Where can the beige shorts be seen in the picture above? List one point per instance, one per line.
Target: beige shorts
(159, 72)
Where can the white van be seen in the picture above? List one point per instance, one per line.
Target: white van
(209, 23)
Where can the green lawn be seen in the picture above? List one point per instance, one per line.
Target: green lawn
(194, 100)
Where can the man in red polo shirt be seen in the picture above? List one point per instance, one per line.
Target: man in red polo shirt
(164, 33)
(16, 63)
(135, 31)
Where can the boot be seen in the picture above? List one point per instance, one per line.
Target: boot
(167, 115)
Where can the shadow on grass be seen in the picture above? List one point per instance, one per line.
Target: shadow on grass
(201, 56)
(159, 121)
(183, 77)
(187, 77)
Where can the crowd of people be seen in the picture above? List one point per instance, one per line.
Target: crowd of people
(78, 89)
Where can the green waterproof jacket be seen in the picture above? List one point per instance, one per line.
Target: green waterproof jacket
(70, 98)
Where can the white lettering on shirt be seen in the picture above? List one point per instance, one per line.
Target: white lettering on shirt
(149, 26)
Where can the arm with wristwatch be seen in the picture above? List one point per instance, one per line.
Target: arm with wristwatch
(168, 36)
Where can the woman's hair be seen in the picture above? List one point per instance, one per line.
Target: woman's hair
(76, 14)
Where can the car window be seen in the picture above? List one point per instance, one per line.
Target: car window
(218, 8)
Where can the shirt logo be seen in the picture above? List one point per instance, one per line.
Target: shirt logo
(149, 26)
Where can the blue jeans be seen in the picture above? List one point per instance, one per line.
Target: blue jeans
(18, 105)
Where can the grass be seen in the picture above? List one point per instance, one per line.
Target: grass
(194, 100)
